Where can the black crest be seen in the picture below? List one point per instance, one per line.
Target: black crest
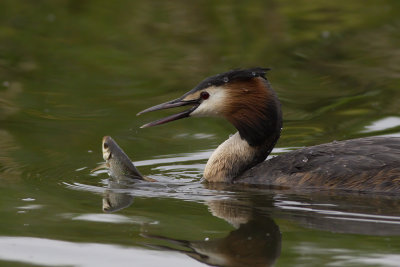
(232, 75)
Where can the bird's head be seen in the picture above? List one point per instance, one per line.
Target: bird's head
(244, 97)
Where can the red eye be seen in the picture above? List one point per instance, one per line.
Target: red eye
(204, 95)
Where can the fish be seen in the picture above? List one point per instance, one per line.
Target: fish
(118, 163)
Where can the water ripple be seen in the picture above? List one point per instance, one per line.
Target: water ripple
(49, 252)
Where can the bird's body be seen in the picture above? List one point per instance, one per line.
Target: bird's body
(364, 164)
(245, 98)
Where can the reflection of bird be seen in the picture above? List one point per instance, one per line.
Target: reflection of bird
(256, 242)
(246, 99)
(361, 214)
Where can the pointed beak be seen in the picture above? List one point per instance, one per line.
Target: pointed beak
(171, 104)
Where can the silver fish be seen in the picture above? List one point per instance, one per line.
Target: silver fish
(118, 163)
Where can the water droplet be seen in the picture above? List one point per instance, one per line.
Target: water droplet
(304, 159)
(206, 239)
(225, 79)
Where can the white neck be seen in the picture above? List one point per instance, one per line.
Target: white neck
(230, 159)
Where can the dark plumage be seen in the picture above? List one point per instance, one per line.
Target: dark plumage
(365, 164)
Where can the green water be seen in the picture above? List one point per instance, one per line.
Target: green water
(74, 71)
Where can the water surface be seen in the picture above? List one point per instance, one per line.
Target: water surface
(74, 71)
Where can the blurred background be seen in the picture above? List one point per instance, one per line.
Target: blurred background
(72, 71)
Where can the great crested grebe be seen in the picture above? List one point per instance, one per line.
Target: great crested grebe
(245, 98)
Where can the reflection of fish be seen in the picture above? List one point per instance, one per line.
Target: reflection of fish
(114, 200)
(118, 163)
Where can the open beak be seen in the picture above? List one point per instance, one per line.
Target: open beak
(171, 104)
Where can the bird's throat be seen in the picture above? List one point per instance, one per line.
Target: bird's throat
(230, 159)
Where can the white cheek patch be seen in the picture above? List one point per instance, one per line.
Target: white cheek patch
(213, 106)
